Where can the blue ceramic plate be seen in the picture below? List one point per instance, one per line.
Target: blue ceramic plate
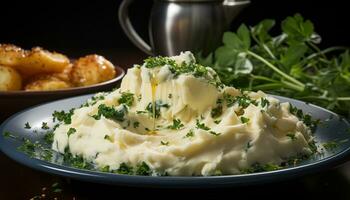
(333, 128)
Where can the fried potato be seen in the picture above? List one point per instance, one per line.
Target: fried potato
(39, 61)
(65, 74)
(46, 82)
(92, 69)
(10, 55)
(9, 79)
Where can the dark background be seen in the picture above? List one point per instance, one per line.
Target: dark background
(80, 27)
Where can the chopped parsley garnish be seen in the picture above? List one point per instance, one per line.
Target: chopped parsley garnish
(159, 61)
(111, 113)
(261, 168)
(190, 133)
(28, 147)
(143, 169)
(48, 137)
(71, 131)
(8, 134)
(191, 67)
(164, 143)
(136, 124)
(243, 101)
(27, 125)
(63, 116)
(291, 136)
(217, 111)
(306, 118)
(217, 121)
(125, 169)
(158, 105)
(176, 124)
(105, 169)
(264, 102)
(330, 145)
(77, 161)
(229, 99)
(93, 100)
(244, 120)
(45, 126)
(127, 98)
(109, 138)
(214, 133)
(202, 126)
(312, 146)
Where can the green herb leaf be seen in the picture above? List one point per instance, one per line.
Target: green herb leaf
(190, 133)
(143, 169)
(176, 124)
(125, 169)
(71, 131)
(45, 126)
(214, 133)
(202, 126)
(111, 112)
(127, 98)
(27, 125)
(158, 105)
(62, 116)
(136, 124)
(244, 120)
(291, 136)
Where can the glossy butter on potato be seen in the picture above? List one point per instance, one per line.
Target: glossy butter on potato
(46, 82)
(9, 79)
(10, 55)
(91, 69)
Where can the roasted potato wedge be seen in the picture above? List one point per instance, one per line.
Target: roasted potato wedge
(65, 74)
(10, 55)
(9, 79)
(39, 61)
(46, 82)
(92, 69)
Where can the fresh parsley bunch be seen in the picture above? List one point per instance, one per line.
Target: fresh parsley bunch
(290, 64)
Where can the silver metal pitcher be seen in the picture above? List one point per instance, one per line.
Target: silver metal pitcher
(181, 25)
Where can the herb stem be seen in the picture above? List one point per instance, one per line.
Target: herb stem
(263, 78)
(325, 51)
(318, 50)
(274, 68)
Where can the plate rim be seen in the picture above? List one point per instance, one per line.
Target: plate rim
(120, 71)
(171, 181)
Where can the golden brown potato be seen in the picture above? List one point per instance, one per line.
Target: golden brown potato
(9, 79)
(39, 61)
(92, 69)
(46, 82)
(65, 74)
(10, 54)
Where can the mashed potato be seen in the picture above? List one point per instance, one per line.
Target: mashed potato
(175, 116)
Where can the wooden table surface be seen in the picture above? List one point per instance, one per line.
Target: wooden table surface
(20, 182)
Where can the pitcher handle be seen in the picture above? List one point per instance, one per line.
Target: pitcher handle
(129, 30)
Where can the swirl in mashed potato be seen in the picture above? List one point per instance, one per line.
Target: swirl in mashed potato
(177, 118)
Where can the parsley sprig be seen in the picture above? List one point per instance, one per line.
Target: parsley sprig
(288, 64)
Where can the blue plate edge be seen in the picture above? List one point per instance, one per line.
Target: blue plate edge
(173, 181)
